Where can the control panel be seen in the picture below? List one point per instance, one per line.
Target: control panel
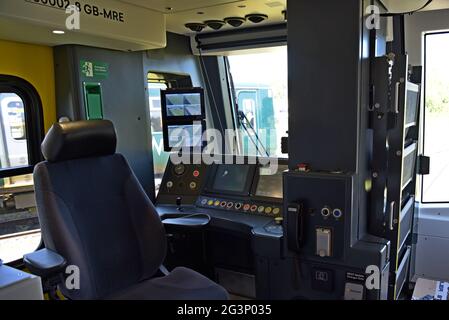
(317, 216)
(182, 183)
(239, 188)
(184, 179)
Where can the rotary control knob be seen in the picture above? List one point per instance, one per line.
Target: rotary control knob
(180, 169)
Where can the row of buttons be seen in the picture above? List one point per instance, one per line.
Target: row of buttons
(240, 206)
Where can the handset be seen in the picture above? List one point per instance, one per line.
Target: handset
(295, 224)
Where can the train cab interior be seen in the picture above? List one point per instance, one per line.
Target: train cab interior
(224, 150)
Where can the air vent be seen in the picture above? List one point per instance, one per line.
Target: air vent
(256, 17)
(215, 24)
(235, 21)
(195, 27)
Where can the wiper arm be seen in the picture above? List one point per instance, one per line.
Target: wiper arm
(245, 123)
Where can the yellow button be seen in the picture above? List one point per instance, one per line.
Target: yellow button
(276, 211)
(210, 202)
(217, 203)
(268, 210)
(261, 209)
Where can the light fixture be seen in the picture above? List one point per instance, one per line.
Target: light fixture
(195, 27)
(256, 17)
(235, 21)
(58, 32)
(214, 24)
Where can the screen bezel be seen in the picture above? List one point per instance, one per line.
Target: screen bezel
(248, 181)
(168, 118)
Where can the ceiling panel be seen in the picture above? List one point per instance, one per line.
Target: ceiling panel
(178, 5)
(272, 8)
(411, 5)
(185, 11)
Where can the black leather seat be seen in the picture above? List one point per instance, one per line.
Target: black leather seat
(95, 214)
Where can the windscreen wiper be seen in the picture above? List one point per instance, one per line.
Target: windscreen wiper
(246, 125)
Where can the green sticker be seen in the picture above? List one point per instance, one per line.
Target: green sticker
(94, 69)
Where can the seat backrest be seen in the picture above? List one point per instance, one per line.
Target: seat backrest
(94, 212)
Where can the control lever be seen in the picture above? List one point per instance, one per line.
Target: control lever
(179, 204)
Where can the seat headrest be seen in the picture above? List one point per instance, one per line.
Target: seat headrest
(79, 139)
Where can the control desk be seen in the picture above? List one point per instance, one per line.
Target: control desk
(269, 234)
(245, 189)
(244, 235)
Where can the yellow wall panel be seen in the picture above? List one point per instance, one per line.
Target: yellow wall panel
(34, 64)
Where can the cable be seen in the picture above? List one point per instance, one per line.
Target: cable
(409, 13)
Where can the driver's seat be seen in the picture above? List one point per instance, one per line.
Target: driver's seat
(95, 214)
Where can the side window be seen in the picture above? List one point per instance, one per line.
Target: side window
(436, 123)
(260, 83)
(20, 137)
(13, 144)
(160, 157)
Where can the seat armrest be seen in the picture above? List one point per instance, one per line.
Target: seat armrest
(193, 221)
(45, 263)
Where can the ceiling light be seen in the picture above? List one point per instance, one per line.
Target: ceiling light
(256, 18)
(215, 24)
(235, 21)
(195, 27)
(58, 32)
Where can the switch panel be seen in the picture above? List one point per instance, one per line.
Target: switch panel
(324, 242)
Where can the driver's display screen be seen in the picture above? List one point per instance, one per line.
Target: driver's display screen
(231, 178)
(270, 185)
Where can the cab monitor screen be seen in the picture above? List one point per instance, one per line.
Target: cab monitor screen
(185, 136)
(183, 118)
(270, 183)
(183, 103)
(232, 179)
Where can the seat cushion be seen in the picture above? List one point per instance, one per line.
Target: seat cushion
(180, 284)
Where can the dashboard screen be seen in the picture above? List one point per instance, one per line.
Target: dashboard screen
(270, 185)
(231, 178)
(185, 135)
(183, 104)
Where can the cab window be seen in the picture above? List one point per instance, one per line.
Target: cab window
(436, 130)
(160, 157)
(20, 138)
(260, 85)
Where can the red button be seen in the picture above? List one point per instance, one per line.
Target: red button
(196, 173)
